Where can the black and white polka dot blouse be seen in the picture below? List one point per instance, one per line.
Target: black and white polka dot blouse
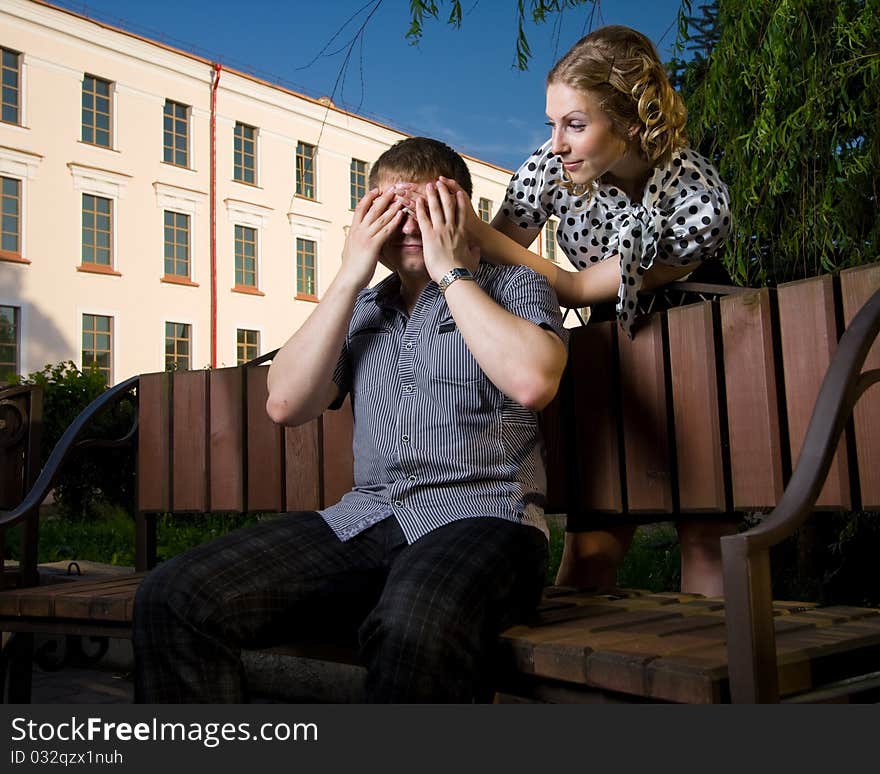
(683, 218)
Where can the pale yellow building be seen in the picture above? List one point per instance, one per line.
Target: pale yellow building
(132, 239)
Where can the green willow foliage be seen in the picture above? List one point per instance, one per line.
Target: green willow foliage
(789, 107)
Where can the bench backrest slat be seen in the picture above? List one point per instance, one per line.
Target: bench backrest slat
(645, 416)
(303, 473)
(808, 329)
(592, 465)
(227, 439)
(756, 460)
(189, 447)
(698, 433)
(154, 443)
(337, 473)
(857, 285)
(266, 470)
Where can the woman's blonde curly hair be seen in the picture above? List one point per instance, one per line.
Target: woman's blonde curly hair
(620, 66)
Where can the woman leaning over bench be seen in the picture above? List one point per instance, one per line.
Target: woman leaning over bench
(636, 209)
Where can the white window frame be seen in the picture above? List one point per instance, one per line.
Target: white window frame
(255, 216)
(108, 185)
(185, 202)
(189, 136)
(258, 152)
(183, 320)
(21, 166)
(23, 314)
(115, 327)
(246, 327)
(114, 94)
(314, 229)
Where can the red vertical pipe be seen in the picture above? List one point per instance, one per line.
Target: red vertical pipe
(215, 79)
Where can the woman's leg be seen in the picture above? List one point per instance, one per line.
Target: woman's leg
(448, 596)
(590, 560)
(257, 586)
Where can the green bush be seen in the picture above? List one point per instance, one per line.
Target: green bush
(93, 475)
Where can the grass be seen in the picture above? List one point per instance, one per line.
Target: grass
(109, 538)
(652, 563)
(823, 563)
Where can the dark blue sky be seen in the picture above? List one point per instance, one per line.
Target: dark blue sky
(457, 85)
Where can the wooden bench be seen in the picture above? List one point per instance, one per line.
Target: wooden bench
(714, 409)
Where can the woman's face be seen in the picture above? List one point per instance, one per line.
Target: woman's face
(582, 133)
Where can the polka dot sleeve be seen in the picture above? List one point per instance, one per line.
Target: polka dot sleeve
(696, 225)
(531, 192)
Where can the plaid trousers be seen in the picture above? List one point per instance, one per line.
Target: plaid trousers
(427, 615)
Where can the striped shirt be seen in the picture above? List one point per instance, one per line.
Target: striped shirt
(434, 439)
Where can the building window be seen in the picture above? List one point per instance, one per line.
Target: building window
(245, 256)
(306, 250)
(176, 244)
(175, 134)
(485, 209)
(247, 345)
(177, 346)
(305, 170)
(96, 111)
(358, 181)
(9, 342)
(10, 225)
(245, 154)
(550, 240)
(97, 230)
(97, 344)
(11, 83)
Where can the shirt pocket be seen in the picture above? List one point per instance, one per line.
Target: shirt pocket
(451, 360)
(373, 355)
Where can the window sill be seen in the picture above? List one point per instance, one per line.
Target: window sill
(173, 279)
(306, 198)
(306, 297)
(245, 182)
(100, 147)
(12, 257)
(181, 167)
(247, 290)
(95, 269)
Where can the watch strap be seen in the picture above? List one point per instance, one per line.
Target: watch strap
(452, 275)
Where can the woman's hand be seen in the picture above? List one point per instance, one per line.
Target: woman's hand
(375, 218)
(441, 215)
(474, 225)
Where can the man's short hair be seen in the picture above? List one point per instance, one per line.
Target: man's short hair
(420, 159)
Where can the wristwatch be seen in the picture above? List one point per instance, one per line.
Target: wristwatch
(452, 275)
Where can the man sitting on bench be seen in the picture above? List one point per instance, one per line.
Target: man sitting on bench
(441, 544)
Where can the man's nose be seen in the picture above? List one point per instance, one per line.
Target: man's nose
(410, 224)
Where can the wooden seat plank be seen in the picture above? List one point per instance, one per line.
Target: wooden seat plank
(303, 467)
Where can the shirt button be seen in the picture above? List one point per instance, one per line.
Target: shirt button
(408, 388)
(409, 345)
(404, 438)
(398, 503)
(412, 478)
